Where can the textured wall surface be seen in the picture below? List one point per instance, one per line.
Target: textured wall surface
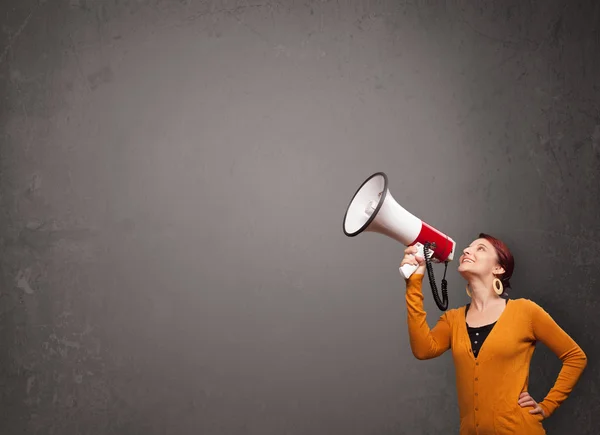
(172, 185)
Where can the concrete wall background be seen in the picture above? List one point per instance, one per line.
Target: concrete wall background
(174, 176)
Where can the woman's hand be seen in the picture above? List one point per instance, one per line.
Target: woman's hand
(526, 400)
(416, 260)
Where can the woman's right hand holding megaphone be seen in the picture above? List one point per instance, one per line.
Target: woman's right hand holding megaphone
(411, 257)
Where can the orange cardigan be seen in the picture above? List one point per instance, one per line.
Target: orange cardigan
(488, 387)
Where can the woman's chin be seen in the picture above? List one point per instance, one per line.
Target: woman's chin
(463, 270)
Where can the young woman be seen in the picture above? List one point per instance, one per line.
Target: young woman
(492, 340)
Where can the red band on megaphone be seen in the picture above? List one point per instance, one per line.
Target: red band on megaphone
(443, 245)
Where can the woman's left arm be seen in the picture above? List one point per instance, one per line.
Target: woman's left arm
(574, 360)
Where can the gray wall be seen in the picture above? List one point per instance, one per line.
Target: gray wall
(174, 176)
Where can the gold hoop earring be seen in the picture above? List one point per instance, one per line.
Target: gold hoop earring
(468, 291)
(498, 287)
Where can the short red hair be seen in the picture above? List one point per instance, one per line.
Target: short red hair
(505, 258)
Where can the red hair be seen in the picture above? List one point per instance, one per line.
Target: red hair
(505, 258)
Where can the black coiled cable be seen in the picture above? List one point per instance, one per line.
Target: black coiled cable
(442, 304)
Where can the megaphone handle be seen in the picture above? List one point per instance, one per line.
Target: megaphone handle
(408, 269)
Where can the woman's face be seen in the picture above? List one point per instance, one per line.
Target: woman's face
(479, 259)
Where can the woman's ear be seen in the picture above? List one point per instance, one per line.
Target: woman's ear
(499, 270)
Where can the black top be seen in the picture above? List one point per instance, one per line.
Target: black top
(478, 334)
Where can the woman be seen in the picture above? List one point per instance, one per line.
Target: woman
(492, 341)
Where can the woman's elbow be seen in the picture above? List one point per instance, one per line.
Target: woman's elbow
(422, 354)
(583, 358)
(578, 359)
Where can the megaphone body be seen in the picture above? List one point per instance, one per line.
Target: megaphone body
(374, 209)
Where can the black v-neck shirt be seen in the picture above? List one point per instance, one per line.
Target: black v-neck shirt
(478, 334)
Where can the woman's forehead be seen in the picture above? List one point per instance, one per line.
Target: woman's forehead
(481, 241)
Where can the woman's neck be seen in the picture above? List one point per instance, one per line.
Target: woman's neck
(482, 294)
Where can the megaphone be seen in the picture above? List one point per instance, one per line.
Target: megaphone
(374, 209)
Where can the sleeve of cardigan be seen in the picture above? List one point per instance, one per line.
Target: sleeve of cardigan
(574, 360)
(425, 343)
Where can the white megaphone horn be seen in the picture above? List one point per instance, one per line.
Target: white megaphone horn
(374, 209)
